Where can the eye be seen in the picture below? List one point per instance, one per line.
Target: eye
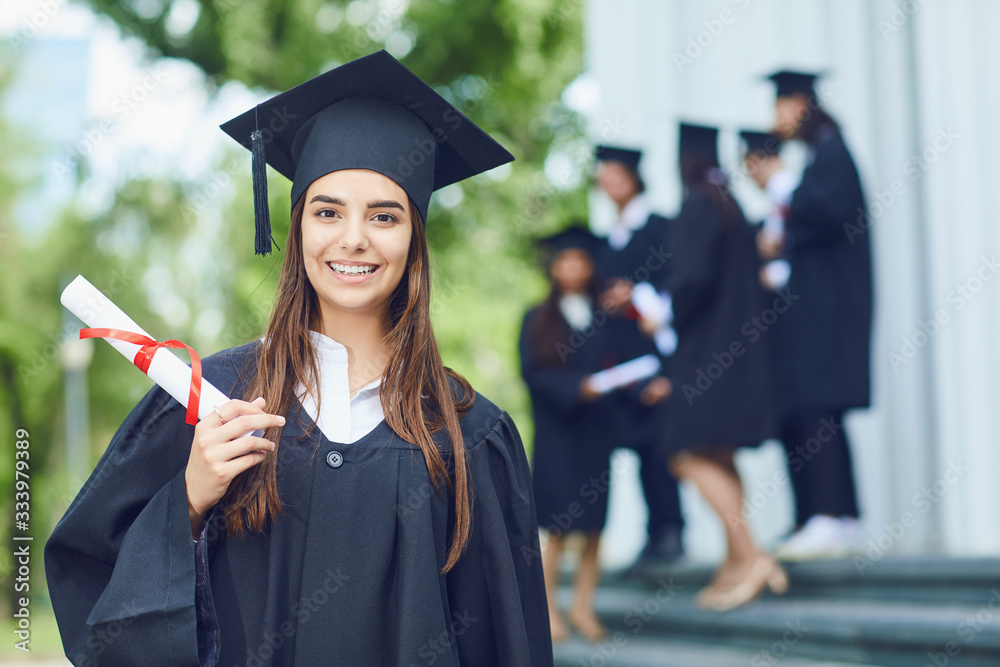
(327, 213)
(385, 218)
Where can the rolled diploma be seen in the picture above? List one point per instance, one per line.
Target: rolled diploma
(166, 369)
(624, 374)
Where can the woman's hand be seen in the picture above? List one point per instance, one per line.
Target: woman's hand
(587, 392)
(220, 451)
(648, 326)
(765, 279)
(658, 389)
(769, 246)
(617, 295)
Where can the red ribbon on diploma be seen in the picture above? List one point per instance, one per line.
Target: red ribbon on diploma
(145, 356)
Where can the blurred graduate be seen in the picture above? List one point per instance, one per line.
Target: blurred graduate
(824, 339)
(385, 516)
(723, 397)
(562, 344)
(634, 264)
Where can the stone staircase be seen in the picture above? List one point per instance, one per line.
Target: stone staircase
(912, 612)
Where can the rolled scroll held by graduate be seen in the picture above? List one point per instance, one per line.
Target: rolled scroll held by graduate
(386, 516)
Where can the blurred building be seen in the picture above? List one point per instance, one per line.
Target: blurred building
(912, 83)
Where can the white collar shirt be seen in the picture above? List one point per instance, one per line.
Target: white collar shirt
(340, 417)
(632, 218)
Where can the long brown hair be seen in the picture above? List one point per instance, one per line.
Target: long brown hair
(414, 368)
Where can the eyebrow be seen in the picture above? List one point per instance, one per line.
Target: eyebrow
(378, 203)
(328, 200)
(385, 203)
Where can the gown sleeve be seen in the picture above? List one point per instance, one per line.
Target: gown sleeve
(496, 590)
(121, 563)
(557, 386)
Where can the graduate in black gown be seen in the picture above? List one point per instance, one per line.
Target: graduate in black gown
(825, 338)
(634, 253)
(561, 345)
(386, 517)
(722, 396)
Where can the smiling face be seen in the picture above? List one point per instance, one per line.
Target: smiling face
(356, 230)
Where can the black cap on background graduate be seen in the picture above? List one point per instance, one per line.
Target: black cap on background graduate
(627, 156)
(698, 139)
(791, 82)
(576, 236)
(371, 113)
(763, 144)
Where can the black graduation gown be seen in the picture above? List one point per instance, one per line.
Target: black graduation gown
(825, 338)
(570, 467)
(723, 392)
(348, 575)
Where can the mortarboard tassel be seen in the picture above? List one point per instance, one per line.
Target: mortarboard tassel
(262, 218)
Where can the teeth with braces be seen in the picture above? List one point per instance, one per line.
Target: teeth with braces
(352, 270)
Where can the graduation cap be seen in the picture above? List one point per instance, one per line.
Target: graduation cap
(575, 237)
(627, 156)
(371, 113)
(698, 139)
(790, 82)
(763, 144)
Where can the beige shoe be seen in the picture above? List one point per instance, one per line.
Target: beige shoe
(765, 573)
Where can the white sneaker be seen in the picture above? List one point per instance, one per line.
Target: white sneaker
(822, 537)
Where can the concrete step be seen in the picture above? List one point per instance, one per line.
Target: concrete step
(864, 630)
(921, 612)
(925, 579)
(640, 651)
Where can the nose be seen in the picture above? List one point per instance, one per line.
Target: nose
(353, 234)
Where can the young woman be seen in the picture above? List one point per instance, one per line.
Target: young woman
(386, 516)
(561, 345)
(722, 398)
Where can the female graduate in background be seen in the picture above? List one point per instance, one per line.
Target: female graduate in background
(386, 517)
(722, 398)
(572, 446)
